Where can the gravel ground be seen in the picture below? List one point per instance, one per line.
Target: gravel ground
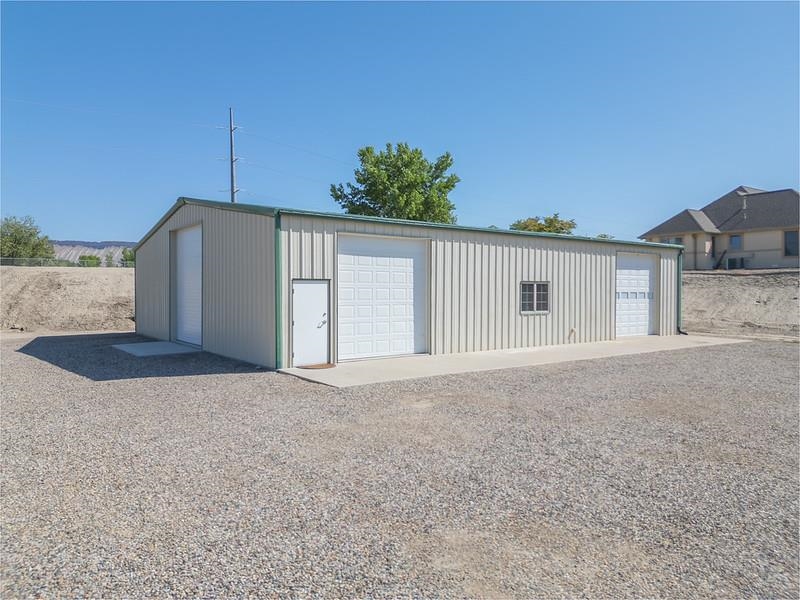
(668, 474)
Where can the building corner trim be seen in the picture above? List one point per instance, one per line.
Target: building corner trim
(679, 284)
(278, 294)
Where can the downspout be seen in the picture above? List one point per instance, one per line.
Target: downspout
(278, 294)
(679, 283)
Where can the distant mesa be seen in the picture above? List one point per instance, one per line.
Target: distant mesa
(71, 250)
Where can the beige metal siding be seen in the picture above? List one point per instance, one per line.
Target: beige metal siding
(152, 287)
(474, 283)
(238, 282)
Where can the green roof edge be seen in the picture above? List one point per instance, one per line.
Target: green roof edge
(271, 211)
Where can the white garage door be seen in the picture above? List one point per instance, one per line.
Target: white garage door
(636, 298)
(189, 285)
(381, 297)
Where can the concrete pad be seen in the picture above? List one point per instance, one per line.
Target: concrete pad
(155, 348)
(380, 370)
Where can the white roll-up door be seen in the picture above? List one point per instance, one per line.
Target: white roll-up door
(381, 296)
(189, 285)
(636, 295)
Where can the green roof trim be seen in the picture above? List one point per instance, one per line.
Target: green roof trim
(271, 211)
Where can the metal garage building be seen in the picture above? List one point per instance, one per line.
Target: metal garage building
(284, 287)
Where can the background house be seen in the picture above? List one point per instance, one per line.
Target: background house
(746, 228)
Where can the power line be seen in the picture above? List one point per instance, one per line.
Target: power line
(250, 163)
(100, 112)
(242, 130)
(293, 147)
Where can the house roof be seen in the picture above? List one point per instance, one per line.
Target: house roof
(272, 211)
(742, 209)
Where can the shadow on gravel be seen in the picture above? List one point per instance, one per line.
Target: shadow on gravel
(91, 356)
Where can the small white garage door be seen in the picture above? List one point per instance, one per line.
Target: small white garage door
(189, 285)
(636, 298)
(381, 296)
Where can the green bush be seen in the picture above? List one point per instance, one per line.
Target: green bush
(89, 260)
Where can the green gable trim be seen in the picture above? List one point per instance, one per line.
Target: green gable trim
(270, 211)
(246, 208)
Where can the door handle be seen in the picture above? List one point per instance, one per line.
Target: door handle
(323, 323)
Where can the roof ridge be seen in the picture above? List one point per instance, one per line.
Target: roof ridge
(772, 192)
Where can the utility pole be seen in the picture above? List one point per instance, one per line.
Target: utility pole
(234, 189)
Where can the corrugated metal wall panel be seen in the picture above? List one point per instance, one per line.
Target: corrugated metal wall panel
(238, 282)
(474, 283)
(152, 288)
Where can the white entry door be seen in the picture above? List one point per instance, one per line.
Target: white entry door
(310, 322)
(189, 285)
(636, 298)
(381, 296)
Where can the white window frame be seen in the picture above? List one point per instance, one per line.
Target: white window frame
(535, 285)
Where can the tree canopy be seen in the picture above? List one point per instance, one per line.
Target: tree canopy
(552, 224)
(400, 183)
(22, 238)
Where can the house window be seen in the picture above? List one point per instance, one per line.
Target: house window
(534, 297)
(735, 242)
(790, 243)
(672, 240)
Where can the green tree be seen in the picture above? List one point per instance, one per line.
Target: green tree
(128, 257)
(551, 224)
(89, 260)
(22, 238)
(109, 260)
(400, 183)
(604, 236)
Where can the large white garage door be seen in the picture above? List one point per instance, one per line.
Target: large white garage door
(189, 285)
(381, 297)
(636, 298)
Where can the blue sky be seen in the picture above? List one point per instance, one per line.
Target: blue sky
(617, 115)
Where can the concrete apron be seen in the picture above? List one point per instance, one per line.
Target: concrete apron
(142, 349)
(379, 370)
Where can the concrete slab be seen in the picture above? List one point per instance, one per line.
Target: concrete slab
(380, 370)
(155, 348)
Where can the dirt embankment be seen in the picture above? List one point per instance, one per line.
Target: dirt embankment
(66, 298)
(745, 303)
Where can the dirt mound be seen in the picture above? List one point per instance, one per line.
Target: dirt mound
(744, 303)
(66, 298)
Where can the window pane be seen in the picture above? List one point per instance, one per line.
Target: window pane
(527, 297)
(542, 297)
(736, 242)
(790, 243)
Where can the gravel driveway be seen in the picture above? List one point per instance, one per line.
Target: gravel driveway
(667, 474)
